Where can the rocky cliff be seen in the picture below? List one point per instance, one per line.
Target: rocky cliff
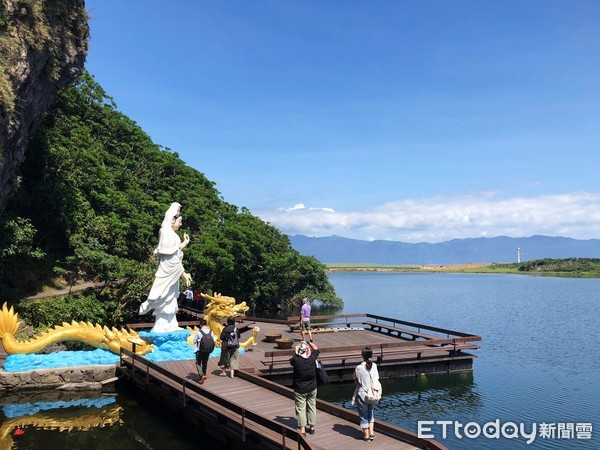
(43, 45)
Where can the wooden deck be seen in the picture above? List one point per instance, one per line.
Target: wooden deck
(254, 411)
(231, 408)
(332, 432)
(399, 349)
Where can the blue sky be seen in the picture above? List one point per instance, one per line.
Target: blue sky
(418, 121)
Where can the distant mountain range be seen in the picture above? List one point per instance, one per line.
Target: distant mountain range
(336, 249)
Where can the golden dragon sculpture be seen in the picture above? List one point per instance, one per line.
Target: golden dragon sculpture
(111, 339)
(219, 308)
(77, 420)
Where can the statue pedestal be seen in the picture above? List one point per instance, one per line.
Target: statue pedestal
(171, 346)
(165, 323)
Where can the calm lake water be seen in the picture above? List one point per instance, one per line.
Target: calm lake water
(539, 362)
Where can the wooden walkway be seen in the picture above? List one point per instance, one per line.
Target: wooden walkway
(332, 432)
(254, 411)
(336, 428)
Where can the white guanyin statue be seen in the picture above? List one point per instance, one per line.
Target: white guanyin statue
(165, 289)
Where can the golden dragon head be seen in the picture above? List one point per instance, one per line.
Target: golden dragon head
(221, 307)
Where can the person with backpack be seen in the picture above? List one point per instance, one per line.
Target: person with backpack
(367, 393)
(230, 343)
(204, 341)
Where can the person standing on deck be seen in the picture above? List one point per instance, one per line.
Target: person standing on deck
(197, 299)
(230, 354)
(304, 363)
(203, 349)
(189, 296)
(305, 320)
(364, 375)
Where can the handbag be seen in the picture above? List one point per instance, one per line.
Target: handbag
(322, 377)
(373, 394)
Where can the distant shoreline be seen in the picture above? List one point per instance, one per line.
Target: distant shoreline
(474, 267)
(483, 268)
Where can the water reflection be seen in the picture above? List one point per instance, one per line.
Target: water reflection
(54, 412)
(91, 420)
(421, 398)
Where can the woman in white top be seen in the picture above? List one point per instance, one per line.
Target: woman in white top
(364, 374)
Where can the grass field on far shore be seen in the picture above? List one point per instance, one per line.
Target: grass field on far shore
(559, 269)
(457, 268)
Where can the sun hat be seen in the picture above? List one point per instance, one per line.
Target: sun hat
(302, 349)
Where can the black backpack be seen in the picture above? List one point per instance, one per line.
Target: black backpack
(232, 340)
(207, 343)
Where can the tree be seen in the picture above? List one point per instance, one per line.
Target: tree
(95, 189)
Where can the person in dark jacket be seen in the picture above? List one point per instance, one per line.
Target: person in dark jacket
(304, 363)
(202, 356)
(229, 353)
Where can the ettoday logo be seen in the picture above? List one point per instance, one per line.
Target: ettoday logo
(508, 430)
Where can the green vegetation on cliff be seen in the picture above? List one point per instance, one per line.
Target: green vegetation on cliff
(40, 27)
(94, 191)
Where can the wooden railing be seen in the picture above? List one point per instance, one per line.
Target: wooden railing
(381, 352)
(379, 348)
(342, 319)
(148, 325)
(327, 317)
(453, 341)
(345, 414)
(419, 326)
(140, 364)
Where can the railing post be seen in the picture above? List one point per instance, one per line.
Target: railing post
(243, 425)
(283, 438)
(147, 374)
(184, 395)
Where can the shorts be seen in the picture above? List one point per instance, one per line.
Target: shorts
(305, 326)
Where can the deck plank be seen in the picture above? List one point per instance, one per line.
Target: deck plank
(331, 432)
(255, 357)
(340, 352)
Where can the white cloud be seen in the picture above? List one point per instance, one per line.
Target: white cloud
(296, 207)
(327, 210)
(437, 219)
